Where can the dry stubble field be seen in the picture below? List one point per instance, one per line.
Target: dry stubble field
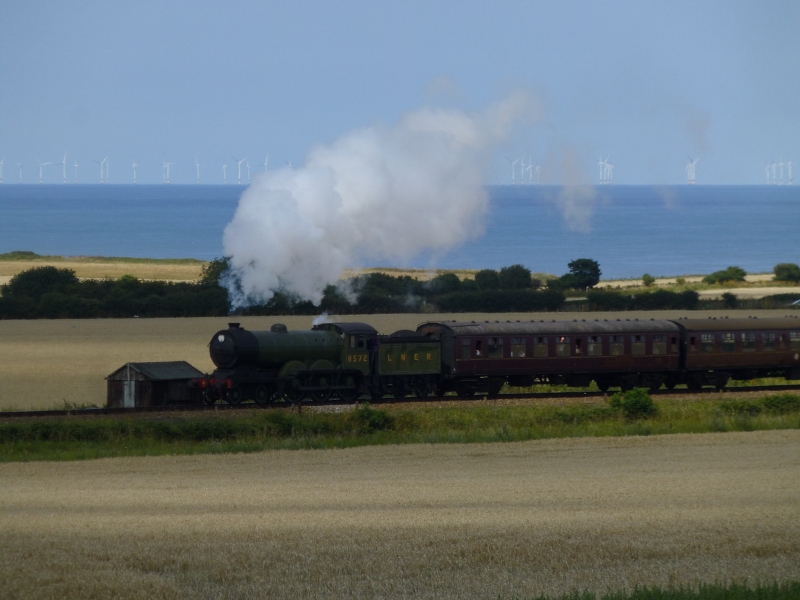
(45, 363)
(443, 521)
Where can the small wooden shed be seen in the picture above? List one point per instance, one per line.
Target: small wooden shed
(152, 384)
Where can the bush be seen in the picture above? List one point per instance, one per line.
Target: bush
(635, 404)
(729, 274)
(583, 274)
(787, 272)
(515, 277)
(648, 280)
(729, 300)
(36, 282)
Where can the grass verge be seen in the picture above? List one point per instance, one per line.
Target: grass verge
(76, 438)
(776, 591)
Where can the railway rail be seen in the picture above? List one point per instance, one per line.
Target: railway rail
(221, 406)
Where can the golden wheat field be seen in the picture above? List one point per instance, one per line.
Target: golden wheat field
(45, 363)
(419, 521)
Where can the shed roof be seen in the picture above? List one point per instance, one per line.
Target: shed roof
(162, 371)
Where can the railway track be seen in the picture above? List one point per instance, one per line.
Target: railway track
(222, 406)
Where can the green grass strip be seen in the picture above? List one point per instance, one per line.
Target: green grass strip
(77, 438)
(775, 591)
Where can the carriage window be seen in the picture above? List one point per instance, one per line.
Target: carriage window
(495, 347)
(478, 348)
(659, 344)
(748, 342)
(465, 349)
(540, 347)
(768, 341)
(517, 347)
(562, 346)
(794, 340)
(674, 345)
(782, 341)
(595, 345)
(617, 345)
(707, 342)
(353, 339)
(637, 345)
(728, 342)
(578, 346)
(693, 343)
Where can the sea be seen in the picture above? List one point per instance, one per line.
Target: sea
(630, 230)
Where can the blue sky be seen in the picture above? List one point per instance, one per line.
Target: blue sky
(644, 83)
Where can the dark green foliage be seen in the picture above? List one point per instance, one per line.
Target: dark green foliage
(729, 300)
(38, 281)
(777, 404)
(47, 292)
(729, 274)
(213, 271)
(500, 301)
(635, 404)
(735, 591)
(366, 419)
(648, 280)
(446, 283)
(787, 272)
(658, 300)
(583, 274)
(515, 277)
(487, 279)
(21, 255)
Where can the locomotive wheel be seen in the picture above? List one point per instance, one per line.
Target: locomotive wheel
(320, 395)
(263, 395)
(348, 395)
(423, 389)
(235, 395)
(292, 392)
(210, 396)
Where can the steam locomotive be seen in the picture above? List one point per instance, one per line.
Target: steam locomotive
(351, 360)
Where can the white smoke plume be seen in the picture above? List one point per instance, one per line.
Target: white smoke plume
(379, 193)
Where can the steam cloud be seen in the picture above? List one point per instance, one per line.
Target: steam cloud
(377, 193)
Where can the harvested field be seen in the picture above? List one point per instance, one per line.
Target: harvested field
(46, 363)
(100, 269)
(466, 521)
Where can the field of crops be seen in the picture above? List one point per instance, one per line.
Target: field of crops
(422, 521)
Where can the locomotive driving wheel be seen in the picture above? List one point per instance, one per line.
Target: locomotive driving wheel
(235, 395)
(264, 395)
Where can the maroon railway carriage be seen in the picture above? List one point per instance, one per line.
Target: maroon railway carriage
(721, 349)
(481, 357)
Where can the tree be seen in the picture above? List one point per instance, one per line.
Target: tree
(445, 283)
(212, 271)
(787, 272)
(38, 281)
(487, 279)
(648, 280)
(729, 274)
(515, 277)
(583, 274)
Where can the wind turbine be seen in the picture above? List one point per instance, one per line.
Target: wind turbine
(197, 166)
(167, 165)
(248, 172)
(41, 165)
(602, 164)
(780, 166)
(101, 163)
(239, 164)
(766, 170)
(2, 160)
(266, 162)
(789, 165)
(691, 171)
(224, 173)
(20, 171)
(513, 169)
(538, 174)
(63, 164)
(76, 170)
(609, 172)
(134, 172)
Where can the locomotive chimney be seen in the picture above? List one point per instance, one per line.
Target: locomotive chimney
(234, 326)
